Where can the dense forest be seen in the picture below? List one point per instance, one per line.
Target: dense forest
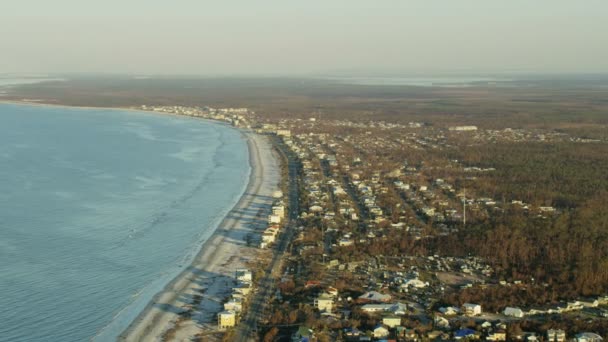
(567, 250)
(568, 253)
(564, 175)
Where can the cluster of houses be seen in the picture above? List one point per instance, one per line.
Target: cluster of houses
(563, 307)
(392, 314)
(228, 318)
(516, 135)
(370, 182)
(275, 219)
(436, 202)
(320, 188)
(239, 117)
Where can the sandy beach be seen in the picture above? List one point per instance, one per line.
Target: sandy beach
(187, 307)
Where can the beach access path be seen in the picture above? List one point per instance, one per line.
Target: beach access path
(188, 306)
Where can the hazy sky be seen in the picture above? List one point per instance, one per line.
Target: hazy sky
(302, 36)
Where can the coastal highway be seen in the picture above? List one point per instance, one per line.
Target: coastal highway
(247, 329)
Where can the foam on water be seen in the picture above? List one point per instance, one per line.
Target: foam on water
(100, 209)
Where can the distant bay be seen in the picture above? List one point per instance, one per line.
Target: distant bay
(99, 209)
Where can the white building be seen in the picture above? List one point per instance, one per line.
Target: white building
(380, 331)
(283, 132)
(274, 219)
(244, 275)
(278, 210)
(471, 309)
(345, 242)
(449, 311)
(235, 305)
(463, 128)
(391, 321)
(513, 312)
(556, 335)
(589, 337)
(226, 319)
(324, 302)
(268, 237)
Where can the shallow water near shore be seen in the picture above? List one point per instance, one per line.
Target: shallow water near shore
(100, 209)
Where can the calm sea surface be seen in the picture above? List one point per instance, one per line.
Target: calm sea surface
(99, 209)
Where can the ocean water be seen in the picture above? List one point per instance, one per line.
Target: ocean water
(100, 209)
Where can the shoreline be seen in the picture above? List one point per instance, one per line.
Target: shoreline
(198, 291)
(131, 109)
(40, 103)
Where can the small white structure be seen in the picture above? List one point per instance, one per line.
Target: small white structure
(324, 302)
(398, 309)
(391, 321)
(274, 219)
(243, 288)
(371, 308)
(374, 296)
(380, 331)
(449, 311)
(463, 128)
(283, 132)
(234, 304)
(590, 302)
(278, 210)
(441, 322)
(345, 242)
(513, 312)
(471, 309)
(589, 337)
(316, 209)
(414, 283)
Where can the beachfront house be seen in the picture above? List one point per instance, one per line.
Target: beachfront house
(226, 320)
(244, 275)
(283, 132)
(268, 237)
(234, 304)
(274, 219)
(279, 210)
(243, 288)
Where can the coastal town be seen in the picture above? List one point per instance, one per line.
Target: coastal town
(304, 171)
(359, 258)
